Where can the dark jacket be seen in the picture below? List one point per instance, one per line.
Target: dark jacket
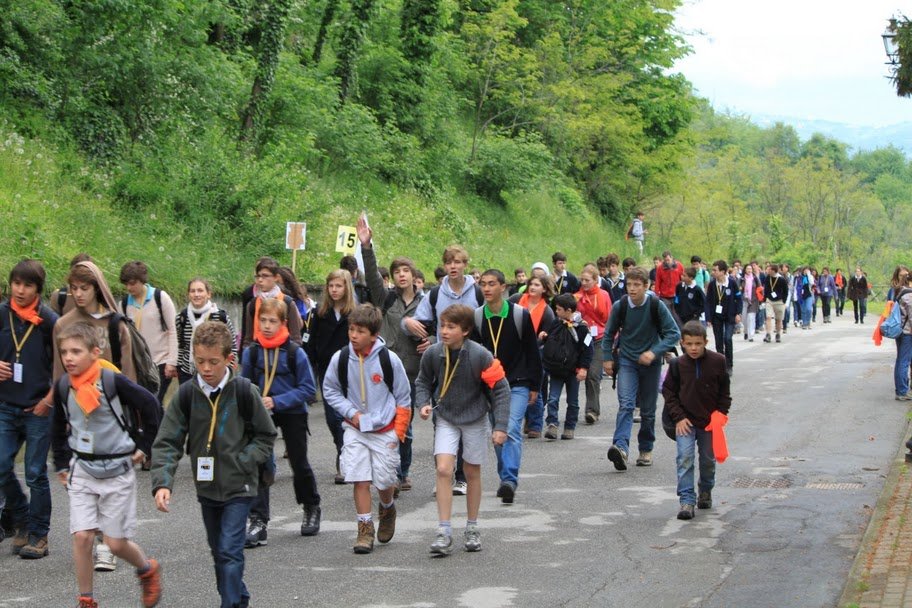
(37, 356)
(567, 284)
(327, 336)
(291, 389)
(689, 302)
(585, 343)
(858, 288)
(520, 357)
(237, 451)
(775, 289)
(730, 298)
(704, 387)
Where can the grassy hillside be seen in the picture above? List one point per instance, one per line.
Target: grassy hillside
(53, 204)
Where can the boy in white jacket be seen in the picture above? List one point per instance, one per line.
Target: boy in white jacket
(370, 389)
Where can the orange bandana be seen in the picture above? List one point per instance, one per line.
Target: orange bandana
(88, 397)
(536, 313)
(276, 341)
(29, 313)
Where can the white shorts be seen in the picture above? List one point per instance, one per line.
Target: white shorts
(476, 438)
(108, 505)
(370, 457)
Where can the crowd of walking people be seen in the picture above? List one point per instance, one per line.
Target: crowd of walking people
(85, 376)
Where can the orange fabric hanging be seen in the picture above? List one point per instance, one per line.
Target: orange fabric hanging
(536, 313)
(88, 397)
(877, 336)
(27, 313)
(401, 422)
(717, 422)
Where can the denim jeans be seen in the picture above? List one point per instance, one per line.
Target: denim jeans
(723, 332)
(509, 455)
(807, 311)
(860, 308)
(16, 427)
(903, 360)
(226, 528)
(687, 446)
(637, 385)
(535, 413)
(554, 395)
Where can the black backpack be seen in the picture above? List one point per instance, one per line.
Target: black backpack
(561, 351)
(386, 365)
(156, 295)
(145, 366)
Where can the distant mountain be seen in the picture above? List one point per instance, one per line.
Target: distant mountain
(859, 137)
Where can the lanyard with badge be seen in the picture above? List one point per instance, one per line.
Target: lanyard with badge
(449, 374)
(18, 345)
(719, 304)
(773, 282)
(269, 375)
(205, 465)
(495, 340)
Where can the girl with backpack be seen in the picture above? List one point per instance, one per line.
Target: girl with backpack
(328, 334)
(200, 308)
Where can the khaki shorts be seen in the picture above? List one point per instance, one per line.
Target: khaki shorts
(108, 505)
(778, 310)
(370, 457)
(476, 438)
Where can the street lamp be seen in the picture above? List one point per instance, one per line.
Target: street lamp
(890, 45)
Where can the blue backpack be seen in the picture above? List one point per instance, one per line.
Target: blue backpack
(893, 324)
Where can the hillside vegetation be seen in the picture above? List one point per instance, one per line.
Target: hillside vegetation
(187, 134)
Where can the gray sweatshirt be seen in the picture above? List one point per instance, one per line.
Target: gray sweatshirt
(466, 400)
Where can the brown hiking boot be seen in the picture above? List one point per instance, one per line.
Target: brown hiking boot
(151, 584)
(387, 524)
(20, 539)
(365, 542)
(36, 548)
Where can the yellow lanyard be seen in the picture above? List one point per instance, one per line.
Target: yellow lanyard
(214, 407)
(19, 345)
(773, 281)
(307, 320)
(363, 387)
(719, 291)
(270, 376)
(495, 339)
(448, 374)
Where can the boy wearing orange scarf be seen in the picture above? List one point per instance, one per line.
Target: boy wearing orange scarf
(286, 391)
(697, 398)
(98, 435)
(26, 328)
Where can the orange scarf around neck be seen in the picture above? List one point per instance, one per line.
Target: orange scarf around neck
(88, 397)
(276, 341)
(27, 313)
(536, 313)
(256, 313)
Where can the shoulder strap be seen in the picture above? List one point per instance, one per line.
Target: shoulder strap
(110, 392)
(342, 370)
(184, 395)
(518, 320)
(386, 365)
(674, 370)
(479, 297)
(61, 299)
(114, 338)
(61, 394)
(123, 303)
(244, 401)
(654, 310)
(157, 296)
(391, 296)
(291, 358)
(435, 293)
(623, 305)
(479, 319)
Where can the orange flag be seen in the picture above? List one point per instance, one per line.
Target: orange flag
(717, 422)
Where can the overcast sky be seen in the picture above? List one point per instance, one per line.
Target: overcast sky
(807, 59)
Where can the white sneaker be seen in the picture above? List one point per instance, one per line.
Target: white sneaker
(460, 488)
(104, 559)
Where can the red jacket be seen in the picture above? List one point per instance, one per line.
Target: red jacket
(667, 279)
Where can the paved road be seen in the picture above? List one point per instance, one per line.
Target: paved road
(813, 429)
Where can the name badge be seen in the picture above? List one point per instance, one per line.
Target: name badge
(205, 468)
(587, 340)
(718, 309)
(364, 423)
(17, 373)
(305, 338)
(85, 442)
(593, 331)
(826, 290)
(773, 295)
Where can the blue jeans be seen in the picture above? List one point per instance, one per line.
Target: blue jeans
(572, 415)
(17, 426)
(807, 311)
(637, 385)
(687, 445)
(903, 360)
(509, 455)
(226, 528)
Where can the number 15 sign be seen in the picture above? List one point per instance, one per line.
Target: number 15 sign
(346, 239)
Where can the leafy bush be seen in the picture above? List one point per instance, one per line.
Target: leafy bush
(502, 164)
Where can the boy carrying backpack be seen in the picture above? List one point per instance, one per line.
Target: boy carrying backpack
(566, 355)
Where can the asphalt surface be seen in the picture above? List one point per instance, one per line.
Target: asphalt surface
(813, 430)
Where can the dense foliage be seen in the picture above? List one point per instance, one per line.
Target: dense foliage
(190, 132)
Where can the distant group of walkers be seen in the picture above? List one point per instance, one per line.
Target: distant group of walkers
(85, 376)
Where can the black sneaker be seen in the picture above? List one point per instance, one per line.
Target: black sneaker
(256, 533)
(310, 526)
(619, 457)
(705, 500)
(591, 418)
(506, 491)
(686, 512)
(778, 338)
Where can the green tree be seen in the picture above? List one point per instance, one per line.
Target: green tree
(350, 47)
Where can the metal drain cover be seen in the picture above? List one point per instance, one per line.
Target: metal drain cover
(850, 485)
(762, 483)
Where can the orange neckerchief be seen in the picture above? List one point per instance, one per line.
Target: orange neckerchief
(536, 313)
(28, 313)
(256, 314)
(88, 397)
(276, 341)
(839, 281)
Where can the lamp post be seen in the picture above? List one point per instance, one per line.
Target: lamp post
(890, 45)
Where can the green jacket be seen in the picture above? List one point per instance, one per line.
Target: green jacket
(237, 452)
